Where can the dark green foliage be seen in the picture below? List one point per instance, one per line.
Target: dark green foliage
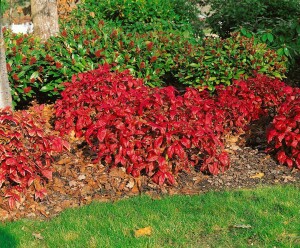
(140, 16)
(229, 15)
(276, 23)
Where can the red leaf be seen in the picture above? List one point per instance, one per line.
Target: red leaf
(179, 151)
(271, 134)
(15, 178)
(170, 151)
(224, 159)
(135, 173)
(170, 178)
(47, 173)
(159, 178)
(11, 202)
(2, 179)
(186, 142)
(11, 161)
(281, 156)
(289, 162)
(213, 168)
(40, 194)
(152, 157)
(158, 141)
(101, 134)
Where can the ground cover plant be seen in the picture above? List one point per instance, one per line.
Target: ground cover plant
(266, 216)
(284, 132)
(26, 155)
(157, 131)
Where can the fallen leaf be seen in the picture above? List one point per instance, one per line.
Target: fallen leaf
(147, 231)
(258, 175)
(232, 139)
(37, 236)
(243, 226)
(4, 214)
(72, 183)
(130, 184)
(81, 177)
(135, 189)
(117, 172)
(266, 158)
(288, 178)
(64, 161)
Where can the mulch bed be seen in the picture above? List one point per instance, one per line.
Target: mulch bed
(77, 181)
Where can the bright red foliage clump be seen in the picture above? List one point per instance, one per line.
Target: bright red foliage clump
(284, 133)
(25, 154)
(146, 130)
(272, 92)
(156, 131)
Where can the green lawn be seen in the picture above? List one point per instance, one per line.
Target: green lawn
(264, 217)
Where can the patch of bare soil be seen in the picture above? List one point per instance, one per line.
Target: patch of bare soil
(77, 181)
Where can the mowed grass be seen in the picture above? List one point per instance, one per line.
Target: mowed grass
(263, 217)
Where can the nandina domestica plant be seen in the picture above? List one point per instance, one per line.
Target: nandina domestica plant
(157, 131)
(284, 132)
(25, 154)
(153, 131)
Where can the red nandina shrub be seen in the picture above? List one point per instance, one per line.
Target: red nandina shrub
(156, 131)
(284, 133)
(240, 106)
(25, 154)
(272, 91)
(152, 131)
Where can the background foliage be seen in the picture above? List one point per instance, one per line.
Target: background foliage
(140, 15)
(276, 23)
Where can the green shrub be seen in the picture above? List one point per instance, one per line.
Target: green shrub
(24, 58)
(160, 58)
(275, 23)
(139, 15)
(285, 38)
(219, 61)
(3, 7)
(229, 15)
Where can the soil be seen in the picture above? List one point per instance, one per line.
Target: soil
(77, 181)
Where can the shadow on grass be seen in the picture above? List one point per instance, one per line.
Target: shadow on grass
(7, 240)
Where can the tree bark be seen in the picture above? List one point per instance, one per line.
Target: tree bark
(45, 18)
(5, 91)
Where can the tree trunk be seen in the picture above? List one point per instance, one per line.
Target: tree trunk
(45, 18)
(5, 91)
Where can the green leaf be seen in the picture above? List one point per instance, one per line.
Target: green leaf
(47, 88)
(34, 75)
(277, 74)
(286, 51)
(244, 31)
(270, 37)
(264, 37)
(21, 74)
(280, 51)
(194, 65)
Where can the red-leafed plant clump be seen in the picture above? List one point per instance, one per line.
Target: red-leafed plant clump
(156, 131)
(25, 154)
(272, 91)
(284, 132)
(153, 131)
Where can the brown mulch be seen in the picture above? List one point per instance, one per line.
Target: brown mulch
(77, 181)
